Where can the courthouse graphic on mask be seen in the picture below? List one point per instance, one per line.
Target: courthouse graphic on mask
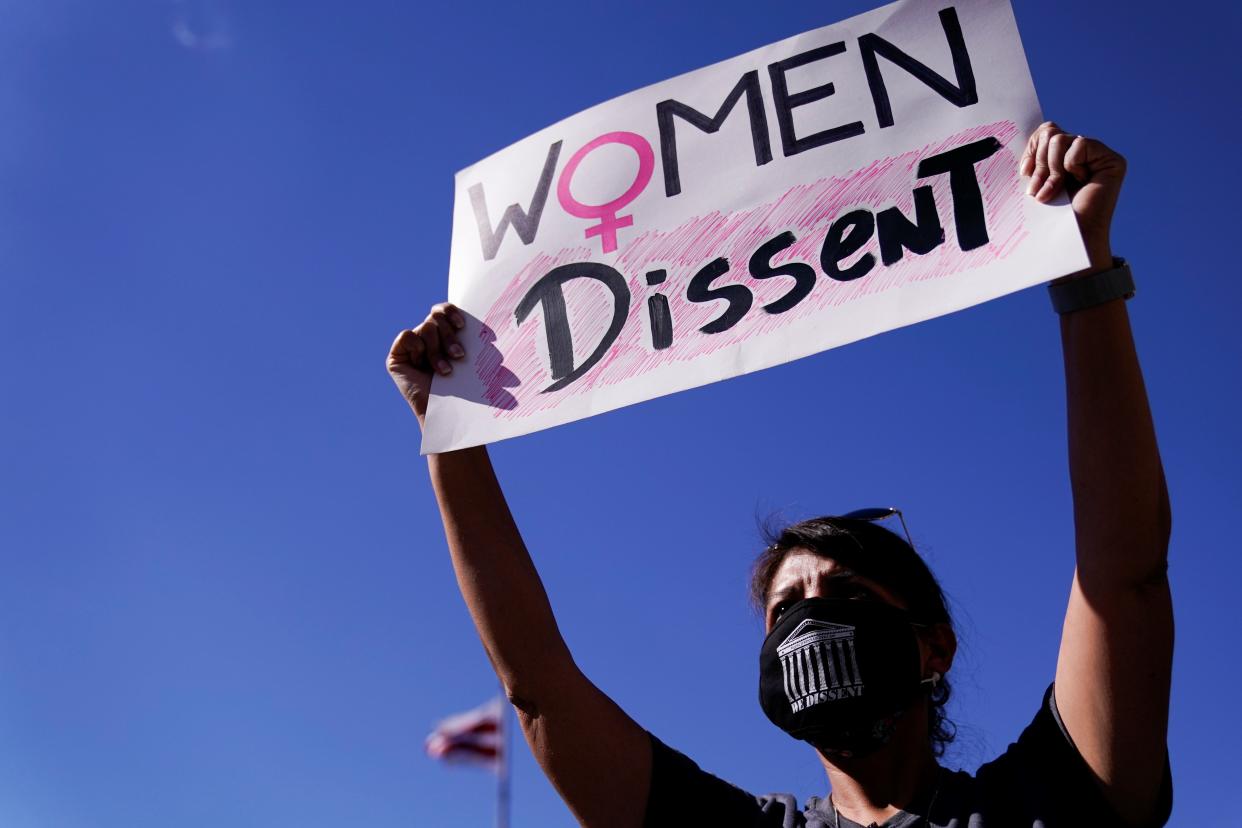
(819, 664)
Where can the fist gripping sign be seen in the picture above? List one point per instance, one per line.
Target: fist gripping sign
(829, 187)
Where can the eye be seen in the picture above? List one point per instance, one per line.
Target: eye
(851, 591)
(779, 609)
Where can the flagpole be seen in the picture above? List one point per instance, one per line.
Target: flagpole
(502, 774)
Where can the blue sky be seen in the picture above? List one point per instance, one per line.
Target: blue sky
(225, 597)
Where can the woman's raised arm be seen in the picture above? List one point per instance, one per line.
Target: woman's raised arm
(597, 757)
(1115, 664)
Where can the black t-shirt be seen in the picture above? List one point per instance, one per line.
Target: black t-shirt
(1040, 781)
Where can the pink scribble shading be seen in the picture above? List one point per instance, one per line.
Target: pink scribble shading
(806, 209)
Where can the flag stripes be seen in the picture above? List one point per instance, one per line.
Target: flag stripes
(474, 736)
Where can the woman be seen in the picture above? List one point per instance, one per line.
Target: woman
(858, 640)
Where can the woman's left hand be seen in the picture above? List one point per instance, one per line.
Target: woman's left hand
(1088, 170)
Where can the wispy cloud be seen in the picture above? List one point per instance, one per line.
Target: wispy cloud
(202, 25)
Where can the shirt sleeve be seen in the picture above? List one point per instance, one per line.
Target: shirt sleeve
(1044, 776)
(683, 794)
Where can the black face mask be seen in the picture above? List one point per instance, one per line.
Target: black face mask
(838, 673)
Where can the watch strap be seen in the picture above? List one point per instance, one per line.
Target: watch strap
(1096, 289)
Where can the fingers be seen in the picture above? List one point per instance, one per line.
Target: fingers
(1027, 165)
(456, 318)
(448, 337)
(1055, 159)
(1077, 157)
(442, 325)
(1035, 158)
(433, 360)
(407, 348)
(1092, 161)
(1058, 144)
(429, 346)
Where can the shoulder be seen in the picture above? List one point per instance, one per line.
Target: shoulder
(1042, 776)
(683, 794)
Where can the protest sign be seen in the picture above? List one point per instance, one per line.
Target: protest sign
(834, 185)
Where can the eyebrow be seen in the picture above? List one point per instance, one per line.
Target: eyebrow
(836, 575)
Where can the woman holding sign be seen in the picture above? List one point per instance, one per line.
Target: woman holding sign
(859, 641)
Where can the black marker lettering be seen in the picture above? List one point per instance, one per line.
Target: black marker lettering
(525, 222)
(548, 292)
(739, 297)
(897, 233)
(667, 110)
(964, 94)
(791, 144)
(659, 314)
(802, 273)
(846, 237)
(959, 163)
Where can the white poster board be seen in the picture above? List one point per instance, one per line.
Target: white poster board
(834, 185)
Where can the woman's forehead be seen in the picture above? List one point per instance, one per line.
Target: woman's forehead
(800, 564)
(804, 566)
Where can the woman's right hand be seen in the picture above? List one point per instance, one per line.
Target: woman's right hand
(420, 351)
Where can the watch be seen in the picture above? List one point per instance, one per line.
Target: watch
(1096, 289)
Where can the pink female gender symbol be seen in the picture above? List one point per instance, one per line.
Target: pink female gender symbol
(609, 221)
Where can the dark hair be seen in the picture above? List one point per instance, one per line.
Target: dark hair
(873, 552)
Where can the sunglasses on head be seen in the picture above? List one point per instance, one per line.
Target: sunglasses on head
(875, 514)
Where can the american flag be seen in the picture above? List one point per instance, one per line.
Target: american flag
(475, 737)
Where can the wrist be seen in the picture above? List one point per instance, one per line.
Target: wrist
(1100, 258)
(1092, 287)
